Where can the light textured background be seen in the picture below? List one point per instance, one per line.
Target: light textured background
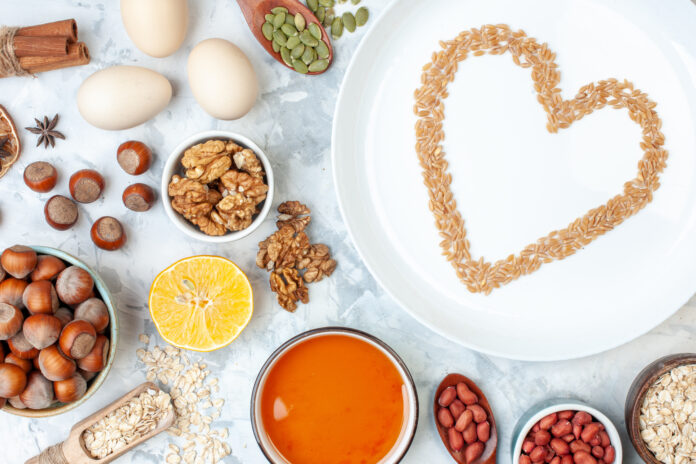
(292, 122)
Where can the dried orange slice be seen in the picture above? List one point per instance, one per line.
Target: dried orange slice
(201, 303)
(12, 147)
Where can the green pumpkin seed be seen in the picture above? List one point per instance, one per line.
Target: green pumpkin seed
(288, 29)
(270, 18)
(300, 67)
(290, 19)
(276, 46)
(318, 66)
(336, 28)
(322, 50)
(313, 5)
(327, 3)
(361, 16)
(308, 55)
(292, 42)
(307, 39)
(297, 51)
(315, 30)
(279, 20)
(349, 21)
(321, 13)
(267, 30)
(328, 20)
(354, 2)
(300, 22)
(279, 9)
(285, 54)
(279, 37)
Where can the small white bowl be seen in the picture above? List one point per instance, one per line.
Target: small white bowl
(543, 409)
(173, 166)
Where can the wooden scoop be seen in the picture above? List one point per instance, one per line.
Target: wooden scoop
(489, 452)
(73, 448)
(255, 12)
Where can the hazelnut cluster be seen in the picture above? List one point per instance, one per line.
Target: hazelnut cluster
(52, 330)
(223, 187)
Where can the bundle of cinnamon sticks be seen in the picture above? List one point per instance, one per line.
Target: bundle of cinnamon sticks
(49, 46)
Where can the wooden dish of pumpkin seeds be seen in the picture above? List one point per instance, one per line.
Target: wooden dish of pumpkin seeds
(291, 33)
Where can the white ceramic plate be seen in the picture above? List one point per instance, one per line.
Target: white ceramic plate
(515, 182)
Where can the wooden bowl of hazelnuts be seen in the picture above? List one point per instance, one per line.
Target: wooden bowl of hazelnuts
(58, 331)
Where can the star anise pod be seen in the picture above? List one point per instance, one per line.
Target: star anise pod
(46, 131)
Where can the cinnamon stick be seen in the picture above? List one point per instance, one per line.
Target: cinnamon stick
(65, 28)
(40, 46)
(78, 54)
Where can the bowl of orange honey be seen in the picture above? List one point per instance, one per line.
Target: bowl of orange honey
(334, 395)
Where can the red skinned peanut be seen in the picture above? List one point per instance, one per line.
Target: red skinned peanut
(456, 441)
(457, 408)
(559, 446)
(464, 420)
(546, 422)
(447, 396)
(542, 438)
(581, 418)
(474, 451)
(479, 413)
(583, 457)
(604, 438)
(567, 459)
(483, 431)
(465, 395)
(470, 434)
(562, 427)
(524, 459)
(609, 454)
(528, 445)
(590, 431)
(444, 417)
(538, 454)
(568, 438)
(598, 452)
(566, 415)
(577, 446)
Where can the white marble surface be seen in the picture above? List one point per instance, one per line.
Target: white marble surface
(292, 122)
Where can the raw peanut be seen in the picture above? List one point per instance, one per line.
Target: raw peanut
(444, 417)
(538, 454)
(604, 437)
(546, 422)
(470, 433)
(479, 413)
(568, 438)
(556, 460)
(582, 457)
(524, 459)
(609, 454)
(577, 430)
(528, 445)
(447, 396)
(464, 420)
(581, 418)
(562, 427)
(566, 415)
(542, 438)
(577, 446)
(590, 431)
(559, 446)
(465, 395)
(483, 431)
(549, 454)
(456, 441)
(598, 452)
(567, 459)
(457, 408)
(473, 451)
(596, 441)
(536, 428)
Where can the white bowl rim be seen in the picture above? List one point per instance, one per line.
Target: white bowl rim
(405, 440)
(170, 168)
(556, 405)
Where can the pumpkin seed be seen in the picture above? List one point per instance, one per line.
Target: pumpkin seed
(321, 13)
(318, 65)
(270, 18)
(300, 67)
(290, 19)
(292, 42)
(322, 50)
(276, 46)
(279, 9)
(267, 30)
(354, 2)
(279, 37)
(285, 54)
(279, 20)
(300, 22)
(336, 28)
(315, 30)
(308, 55)
(328, 20)
(327, 3)
(349, 21)
(361, 16)
(297, 51)
(288, 29)
(307, 39)
(313, 5)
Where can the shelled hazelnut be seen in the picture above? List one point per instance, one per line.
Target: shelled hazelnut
(134, 157)
(86, 185)
(108, 234)
(60, 212)
(40, 176)
(138, 197)
(47, 268)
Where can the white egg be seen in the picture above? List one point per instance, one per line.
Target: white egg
(222, 79)
(157, 27)
(122, 97)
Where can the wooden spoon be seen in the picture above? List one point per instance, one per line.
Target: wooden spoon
(255, 12)
(489, 452)
(73, 448)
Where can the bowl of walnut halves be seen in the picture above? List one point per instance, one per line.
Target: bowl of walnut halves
(217, 186)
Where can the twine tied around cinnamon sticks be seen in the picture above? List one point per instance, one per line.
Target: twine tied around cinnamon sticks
(25, 51)
(53, 455)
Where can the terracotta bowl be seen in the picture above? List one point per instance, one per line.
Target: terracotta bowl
(94, 384)
(636, 394)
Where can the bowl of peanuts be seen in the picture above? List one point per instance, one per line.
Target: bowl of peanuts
(566, 431)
